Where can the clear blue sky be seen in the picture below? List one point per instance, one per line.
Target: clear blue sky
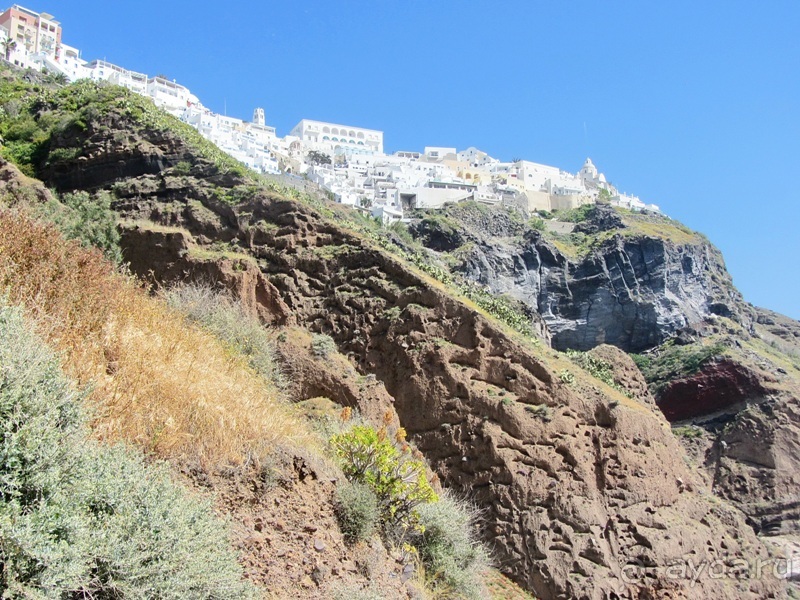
(691, 105)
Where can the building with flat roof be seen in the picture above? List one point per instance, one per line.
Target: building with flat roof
(339, 139)
(33, 32)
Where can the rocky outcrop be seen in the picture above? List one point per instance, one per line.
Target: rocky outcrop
(746, 434)
(585, 492)
(602, 217)
(577, 490)
(720, 385)
(629, 290)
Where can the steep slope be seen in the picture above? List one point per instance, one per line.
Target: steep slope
(735, 399)
(585, 491)
(630, 281)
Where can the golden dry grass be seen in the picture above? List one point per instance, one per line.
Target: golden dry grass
(157, 381)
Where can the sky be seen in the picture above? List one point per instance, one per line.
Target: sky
(694, 106)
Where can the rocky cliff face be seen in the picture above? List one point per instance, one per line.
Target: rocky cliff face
(625, 288)
(738, 414)
(585, 491)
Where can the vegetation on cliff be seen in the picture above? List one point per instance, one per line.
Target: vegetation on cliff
(547, 452)
(83, 519)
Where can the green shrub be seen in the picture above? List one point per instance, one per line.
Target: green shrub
(83, 520)
(182, 168)
(673, 361)
(688, 431)
(227, 320)
(88, 219)
(566, 376)
(540, 411)
(536, 224)
(400, 229)
(597, 368)
(642, 361)
(322, 345)
(357, 510)
(397, 477)
(578, 215)
(507, 310)
(454, 560)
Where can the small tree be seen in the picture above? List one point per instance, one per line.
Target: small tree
(9, 46)
(318, 158)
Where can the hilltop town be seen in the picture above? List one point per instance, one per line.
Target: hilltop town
(348, 162)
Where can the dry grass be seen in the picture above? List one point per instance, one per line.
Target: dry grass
(158, 381)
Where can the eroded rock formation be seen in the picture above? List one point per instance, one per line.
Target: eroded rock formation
(585, 491)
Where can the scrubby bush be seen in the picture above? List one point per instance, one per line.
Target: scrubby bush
(598, 368)
(88, 219)
(390, 469)
(540, 411)
(357, 510)
(673, 361)
(536, 224)
(453, 558)
(83, 520)
(182, 168)
(322, 345)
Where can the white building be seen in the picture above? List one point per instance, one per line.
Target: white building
(338, 139)
(170, 95)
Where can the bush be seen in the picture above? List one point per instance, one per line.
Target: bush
(88, 219)
(453, 559)
(641, 361)
(357, 510)
(672, 361)
(578, 215)
(597, 368)
(322, 345)
(79, 519)
(536, 224)
(540, 411)
(182, 168)
(397, 477)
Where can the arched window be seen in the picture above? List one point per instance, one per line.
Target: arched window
(326, 129)
(360, 135)
(352, 133)
(335, 131)
(325, 138)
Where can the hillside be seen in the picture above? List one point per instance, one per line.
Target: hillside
(583, 489)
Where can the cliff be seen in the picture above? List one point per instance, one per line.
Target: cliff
(585, 491)
(620, 278)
